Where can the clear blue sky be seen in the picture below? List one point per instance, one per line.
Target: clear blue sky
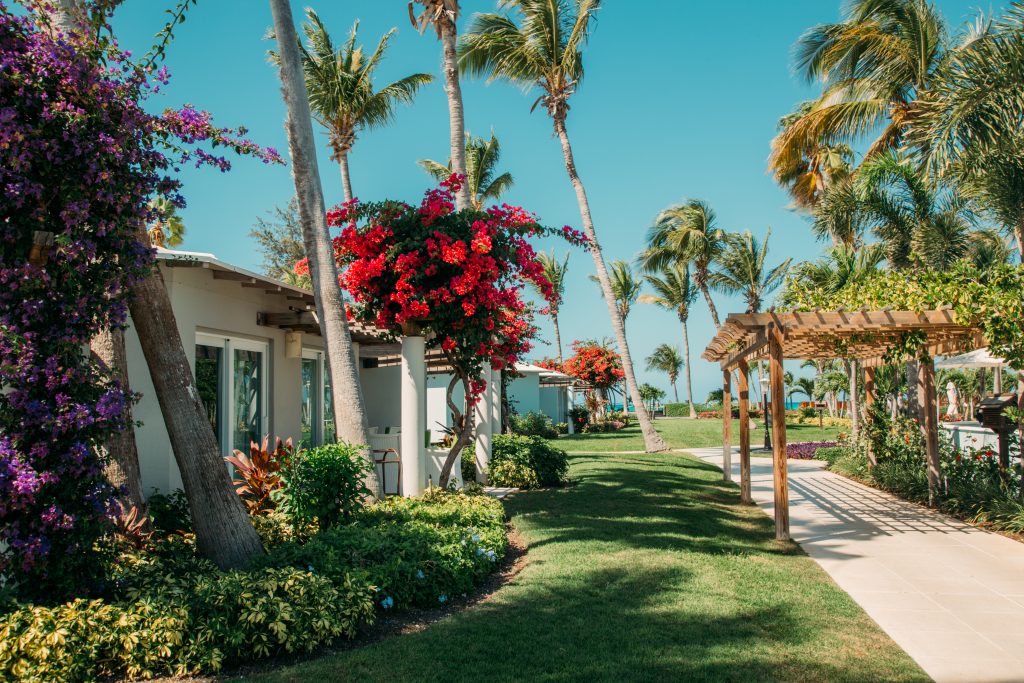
(680, 100)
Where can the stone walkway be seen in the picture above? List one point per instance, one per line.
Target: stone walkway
(948, 593)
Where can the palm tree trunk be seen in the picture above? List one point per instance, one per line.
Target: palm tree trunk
(456, 116)
(346, 390)
(122, 469)
(224, 533)
(346, 178)
(913, 377)
(558, 336)
(652, 440)
(852, 372)
(689, 381)
(711, 304)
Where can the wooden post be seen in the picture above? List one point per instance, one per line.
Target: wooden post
(744, 391)
(869, 400)
(929, 424)
(779, 465)
(727, 424)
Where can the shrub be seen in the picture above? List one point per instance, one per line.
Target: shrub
(829, 453)
(562, 427)
(807, 450)
(579, 416)
(259, 474)
(808, 411)
(548, 463)
(169, 512)
(533, 424)
(468, 463)
(417, 552)
(325, 484)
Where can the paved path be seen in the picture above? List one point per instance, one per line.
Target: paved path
(948, 593)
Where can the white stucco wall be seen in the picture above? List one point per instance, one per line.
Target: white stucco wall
(381, 394)
(524, 394)
(554, 403)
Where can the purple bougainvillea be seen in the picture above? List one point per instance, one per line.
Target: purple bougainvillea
(806, 450)
(79, 160)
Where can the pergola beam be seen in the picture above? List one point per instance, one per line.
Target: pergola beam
(727, 424)
(744, 392)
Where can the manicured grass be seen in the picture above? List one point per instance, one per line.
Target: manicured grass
(648, 569)
(681, 432)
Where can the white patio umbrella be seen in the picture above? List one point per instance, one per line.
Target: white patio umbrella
(979, 358)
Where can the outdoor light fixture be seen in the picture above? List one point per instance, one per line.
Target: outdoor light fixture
(765, 383)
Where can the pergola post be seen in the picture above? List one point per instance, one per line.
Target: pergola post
(780, 474)
(482, 420)
(869, 400)
(413, 413)
(744, 391)
(726, 425)
(929, 423)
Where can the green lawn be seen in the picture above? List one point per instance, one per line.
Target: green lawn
(648, 569)
(685, 433)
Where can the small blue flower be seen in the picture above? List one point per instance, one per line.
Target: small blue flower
(419, 574)
(479, 551)
(387, 603)
(442, 599)
(310, 569)
(476, 538)
(491, 555)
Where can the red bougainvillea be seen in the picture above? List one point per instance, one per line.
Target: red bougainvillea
(594, 363)
(549, 364)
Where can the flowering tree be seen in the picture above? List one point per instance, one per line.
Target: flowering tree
(452, 276)
(79, 160)
(596, 364)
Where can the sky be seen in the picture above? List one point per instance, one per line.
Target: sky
(680, 100)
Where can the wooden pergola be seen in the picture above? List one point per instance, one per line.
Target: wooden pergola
(862, 335)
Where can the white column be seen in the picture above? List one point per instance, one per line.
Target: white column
(482, 420)
(495, 403)
(414, 414)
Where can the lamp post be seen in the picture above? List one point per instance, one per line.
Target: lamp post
(765, 382)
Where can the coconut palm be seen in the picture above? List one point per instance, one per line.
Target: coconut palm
(674, 291)
(554, 271)
(482, 158)
(873, 66)
(841, 266)
(802, 385)
(167, 228)
(625, 287)
(988, 249)
(806, 176)
(341, 93)
(347, 399)
(442, 15)
(665, 358)
(687, 234)
(840, 215)
(539, 44)
(742, 269)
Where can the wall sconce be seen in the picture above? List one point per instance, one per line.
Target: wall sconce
(293, 344)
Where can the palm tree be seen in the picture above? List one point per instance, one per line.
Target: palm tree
(482, 158)
(840, 214)
(554, 271)
(544, 50)
(666, 358)
(442, 15)
(687, 234)
(674, 291)
(988, 249)
(625, 287)
(807, 176)
(742, 269)
(347, 399)
(167, 228)
(340, 86)
(802, 385)
(841, 266)
(872, 66)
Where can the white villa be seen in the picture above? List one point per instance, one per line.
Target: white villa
(255, 347)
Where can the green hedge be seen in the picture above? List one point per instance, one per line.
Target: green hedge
(683, 409)
(526, 462)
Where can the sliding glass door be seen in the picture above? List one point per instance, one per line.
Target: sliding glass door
(317, 408)
(231, 375)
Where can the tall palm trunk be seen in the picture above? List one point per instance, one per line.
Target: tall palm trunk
(852, 373)
(346, 177)
(689, 381)
(346, 391)
(122, 469)
(652, 440)
(456, 114)
(224, 533)
(558, 336)
(701, 280)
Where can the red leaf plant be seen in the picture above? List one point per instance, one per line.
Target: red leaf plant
(455, 277)
(259, 474)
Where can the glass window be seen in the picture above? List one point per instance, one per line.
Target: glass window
(248, 399)
(330, 434)
(310, 391)
(208, 383)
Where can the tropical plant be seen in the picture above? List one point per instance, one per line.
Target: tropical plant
(674, 291)
(686, 234)
(625, 287)
(279, 237)
(443, 15)
(651, 394)
(341, 93)
(482, 157)
(666, 358)
(839, 215)
(802, 385)
(167, 229)
(841, 266)
(347, 398)
(742, 269)
(259, 474)
(812, 172)
(325, 484)
(539, 44)
(554, 272)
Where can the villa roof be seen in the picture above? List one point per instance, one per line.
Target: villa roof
(862, 334)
